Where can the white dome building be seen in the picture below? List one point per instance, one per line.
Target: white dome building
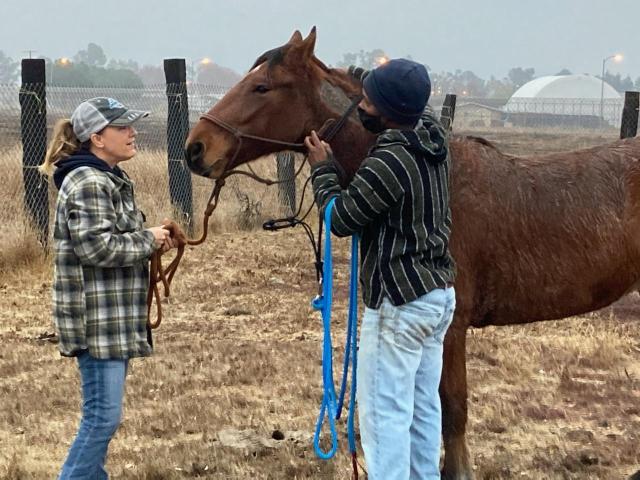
(564, 98)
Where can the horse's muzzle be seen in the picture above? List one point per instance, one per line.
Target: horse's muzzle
(194, 156)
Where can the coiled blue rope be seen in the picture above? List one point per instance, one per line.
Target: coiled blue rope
(332, 408)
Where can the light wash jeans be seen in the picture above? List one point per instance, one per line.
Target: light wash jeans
(102, 395)
(399, 368)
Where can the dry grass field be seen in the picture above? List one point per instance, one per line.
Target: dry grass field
(237, 362)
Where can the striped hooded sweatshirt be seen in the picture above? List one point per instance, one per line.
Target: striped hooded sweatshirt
(398, 202)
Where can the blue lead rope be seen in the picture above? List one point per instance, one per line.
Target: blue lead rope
(330, 408)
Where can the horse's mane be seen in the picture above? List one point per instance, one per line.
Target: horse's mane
(480, 140)
(320, 64)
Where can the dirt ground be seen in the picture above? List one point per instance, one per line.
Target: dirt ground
(237, 363)
(238, 357)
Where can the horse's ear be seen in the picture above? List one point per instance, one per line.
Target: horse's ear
(296, 37)
(302, 51)
(309, 44)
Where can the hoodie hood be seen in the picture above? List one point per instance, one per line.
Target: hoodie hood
(427, 139)
(82, 158)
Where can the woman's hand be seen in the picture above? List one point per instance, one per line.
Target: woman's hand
(168, 244)
(162, 237)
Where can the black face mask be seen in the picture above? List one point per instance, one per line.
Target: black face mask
(370, 122)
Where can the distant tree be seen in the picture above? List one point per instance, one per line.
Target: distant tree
(473, 85)
(93, 56)
(519, 76)
(214, 74)
(637, 84)
(89, 68)
(564, 71)
(499, 88)
(367, 60)
(465, 83)
(120, 77)
(68, 74)
(151, 75)
(441, 83)
(74, 74)
(627, 84)
(123, 64)
(619, 83)
(348, 59)
(8, 69)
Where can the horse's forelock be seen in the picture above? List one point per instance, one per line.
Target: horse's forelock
(273, 57)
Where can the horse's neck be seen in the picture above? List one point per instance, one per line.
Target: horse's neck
(352, 141)
(350, 146)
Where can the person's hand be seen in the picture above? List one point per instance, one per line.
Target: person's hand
(177, 237)
(161, 235)
(319, 150)
(168, 244)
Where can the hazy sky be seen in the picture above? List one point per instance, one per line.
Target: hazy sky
(486, 37)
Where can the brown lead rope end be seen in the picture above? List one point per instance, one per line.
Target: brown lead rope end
(159, 274)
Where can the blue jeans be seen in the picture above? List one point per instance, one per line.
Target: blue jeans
(399, 368)
(102, 395)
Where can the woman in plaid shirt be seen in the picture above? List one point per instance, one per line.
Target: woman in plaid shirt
(101, 268)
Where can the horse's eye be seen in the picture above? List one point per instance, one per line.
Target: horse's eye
(261, 89)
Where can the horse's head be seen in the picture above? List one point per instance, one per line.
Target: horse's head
(287, 93)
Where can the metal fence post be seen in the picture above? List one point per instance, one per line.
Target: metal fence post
(285, 165)
(629, 123)
(448, 111)
(180, 187)
(33, 130)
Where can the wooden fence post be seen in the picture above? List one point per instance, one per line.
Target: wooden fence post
(180, 187)
(448, 111)
(629, 124)
(33, 129)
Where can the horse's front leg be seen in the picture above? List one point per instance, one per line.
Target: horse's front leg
(453, 394)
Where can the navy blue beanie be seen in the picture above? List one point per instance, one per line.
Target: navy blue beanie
(399, 89)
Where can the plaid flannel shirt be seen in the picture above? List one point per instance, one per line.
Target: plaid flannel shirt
(101, 267)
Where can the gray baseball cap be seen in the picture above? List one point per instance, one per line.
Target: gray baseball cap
(92, 115)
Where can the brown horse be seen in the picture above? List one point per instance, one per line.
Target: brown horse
(535, 238)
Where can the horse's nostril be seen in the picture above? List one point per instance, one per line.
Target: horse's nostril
(194, 152)
(197, 149)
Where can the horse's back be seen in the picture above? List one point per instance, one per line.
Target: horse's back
(544, 237)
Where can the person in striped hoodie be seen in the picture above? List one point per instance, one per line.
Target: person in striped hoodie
(398, 202)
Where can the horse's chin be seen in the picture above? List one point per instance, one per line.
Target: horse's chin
(214, 170)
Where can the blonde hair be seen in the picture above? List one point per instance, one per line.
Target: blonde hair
(63, 144)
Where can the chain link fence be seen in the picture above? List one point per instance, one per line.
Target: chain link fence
(166, 188)
(559, 115)
(17, 234)
(538, 126)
